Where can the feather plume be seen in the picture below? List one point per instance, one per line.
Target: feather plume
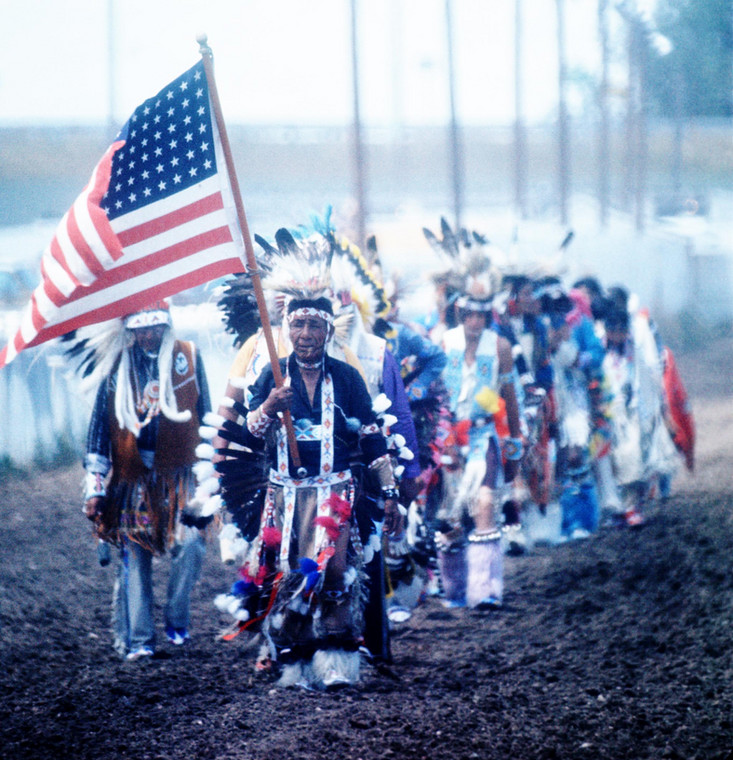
(271, 537)
(92, 351)
(472, 263)
(205, 451)
(332, 528)
(238, 304)
(212, 506)
(300, 268)
(381, 403)
(213, 419)
(355, 281)
(203, 470)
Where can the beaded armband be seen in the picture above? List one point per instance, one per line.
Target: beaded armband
(382, 469)
(258, 422)
(369, 429)
(94, 485)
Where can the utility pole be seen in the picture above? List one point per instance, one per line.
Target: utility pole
(679, 129)
(563, 134)
(111, 71)
(359, 159)
(520, 135)
(644, 38)
(604, 130)
(455, 141)
(638, 55)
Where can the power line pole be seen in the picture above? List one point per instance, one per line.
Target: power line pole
(604, 130)
(644, 39)
(455, 141)
(359, 158)
(520, 135)
(563, 135)
(640, 144)
(111, 70)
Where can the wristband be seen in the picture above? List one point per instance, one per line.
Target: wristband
(390, 492)
(258, 420)
(513, 449)
(94, 485)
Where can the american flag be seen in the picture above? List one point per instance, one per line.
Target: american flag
(157, 217)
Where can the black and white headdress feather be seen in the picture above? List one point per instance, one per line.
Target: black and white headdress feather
(472, 262)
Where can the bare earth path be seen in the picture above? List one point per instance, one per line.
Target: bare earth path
(616, 647)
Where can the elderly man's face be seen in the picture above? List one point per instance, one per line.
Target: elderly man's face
(308, 335)
(150, 338)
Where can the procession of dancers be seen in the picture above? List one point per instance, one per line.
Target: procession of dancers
(361, 462)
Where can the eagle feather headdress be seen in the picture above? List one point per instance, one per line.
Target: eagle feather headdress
(311, 262)
(354, 279)
(292, 266)
(91, 352)
(472, 262)
(298, 268)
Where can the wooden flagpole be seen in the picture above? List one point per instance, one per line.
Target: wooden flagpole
(251, 261)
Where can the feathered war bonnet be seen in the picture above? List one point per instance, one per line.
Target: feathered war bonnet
(311, 263)
(297, 274)
(360, 295)
(96, 351)
(471, 278)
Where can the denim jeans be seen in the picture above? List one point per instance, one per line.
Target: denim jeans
(133, 603)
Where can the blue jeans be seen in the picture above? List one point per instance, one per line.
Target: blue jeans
(133, 602)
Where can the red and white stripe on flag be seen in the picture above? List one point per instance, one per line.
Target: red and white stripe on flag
(97, 268)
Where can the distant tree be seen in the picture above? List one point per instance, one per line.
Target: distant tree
(696, 77)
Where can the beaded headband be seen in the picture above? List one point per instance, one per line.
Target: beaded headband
(311, 311)
(471, 304)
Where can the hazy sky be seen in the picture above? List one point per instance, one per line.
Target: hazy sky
(285, 61)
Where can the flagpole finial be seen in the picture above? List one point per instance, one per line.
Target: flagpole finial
(203, 40)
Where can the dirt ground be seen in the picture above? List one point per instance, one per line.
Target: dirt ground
(614, 647)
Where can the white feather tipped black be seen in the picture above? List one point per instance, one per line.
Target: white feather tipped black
(203, 469)
(92, 351)
(206, 488)
(212, 506)
(213, 419)
(205, 451)
(472, 262)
